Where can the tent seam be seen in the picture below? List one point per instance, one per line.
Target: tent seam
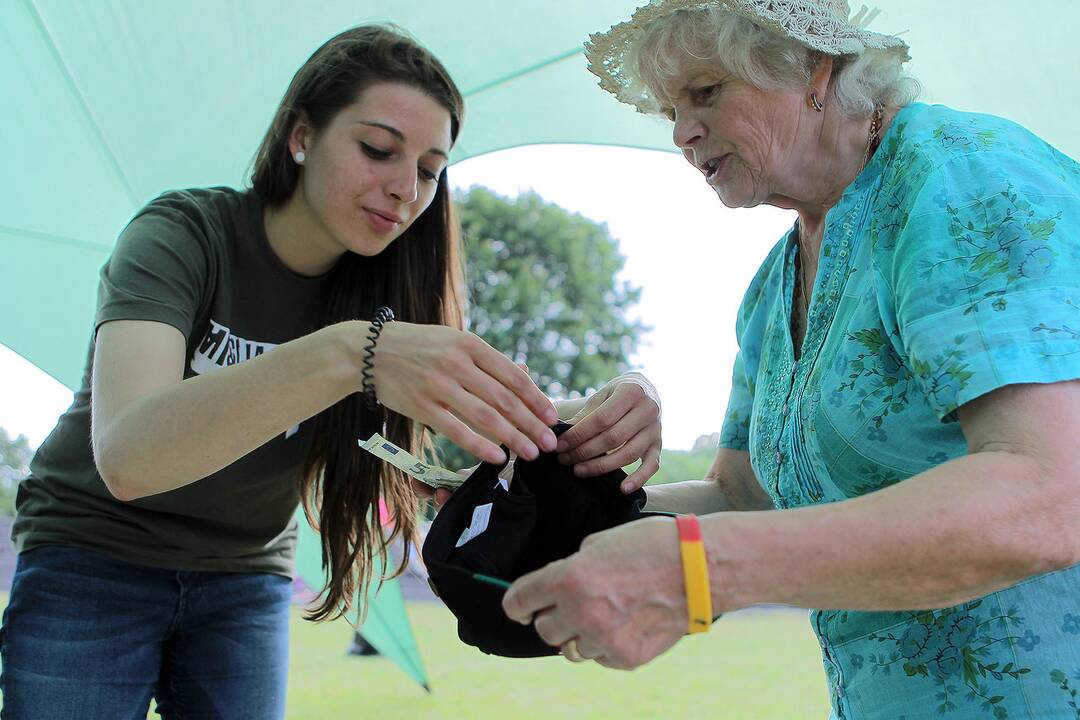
(524, 71)
(54, 238)
(81, 100)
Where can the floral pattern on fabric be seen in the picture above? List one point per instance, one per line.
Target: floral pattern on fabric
(949, 268)
(1071, 687)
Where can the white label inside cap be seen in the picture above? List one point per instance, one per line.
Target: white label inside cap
(480, 517)
(506, 474)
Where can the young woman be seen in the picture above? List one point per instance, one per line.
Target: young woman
(235, 363)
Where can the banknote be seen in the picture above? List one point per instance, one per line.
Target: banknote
(431, 475)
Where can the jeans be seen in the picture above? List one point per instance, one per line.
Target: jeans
(86, 636)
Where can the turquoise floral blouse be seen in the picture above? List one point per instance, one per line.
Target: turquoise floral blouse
(949, 268)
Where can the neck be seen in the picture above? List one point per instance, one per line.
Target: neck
(836, 152)
(299, 239)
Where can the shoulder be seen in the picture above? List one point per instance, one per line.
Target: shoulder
(206, 207)
(198, 219)
(942, 133)
(939, 161)
(932, 140)
(997, 216)
(180, 231)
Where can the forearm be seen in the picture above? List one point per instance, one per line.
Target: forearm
(969, 527)
(193, 428)
(729, 484)
(700, 497)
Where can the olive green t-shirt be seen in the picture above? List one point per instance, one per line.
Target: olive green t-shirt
(198, 260)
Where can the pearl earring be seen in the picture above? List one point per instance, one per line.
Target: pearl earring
(299, 157)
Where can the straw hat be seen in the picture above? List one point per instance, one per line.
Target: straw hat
(822, 25)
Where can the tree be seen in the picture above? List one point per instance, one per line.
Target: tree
(15, 454)
(707, 442)
(543, 288)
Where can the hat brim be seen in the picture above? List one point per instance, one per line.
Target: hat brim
(607, 52)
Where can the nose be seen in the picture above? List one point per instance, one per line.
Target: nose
(404, 185)
(688, 132)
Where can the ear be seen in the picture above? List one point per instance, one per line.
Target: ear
(301, 136)
(822, 75)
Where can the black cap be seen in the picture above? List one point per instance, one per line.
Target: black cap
(543, 516)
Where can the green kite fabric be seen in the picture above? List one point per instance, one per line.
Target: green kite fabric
(386, 626)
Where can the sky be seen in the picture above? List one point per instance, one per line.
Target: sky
(692, 257)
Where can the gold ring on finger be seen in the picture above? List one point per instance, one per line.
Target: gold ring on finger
(570, 652)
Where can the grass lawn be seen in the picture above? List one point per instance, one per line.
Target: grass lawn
(754, 664)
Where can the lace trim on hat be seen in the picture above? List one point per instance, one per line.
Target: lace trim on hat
(822, 25)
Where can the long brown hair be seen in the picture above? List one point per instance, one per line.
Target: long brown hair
(419, 276)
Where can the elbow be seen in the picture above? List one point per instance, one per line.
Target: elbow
(1064, 531)
(110, 469)
(1060, 545)
(1060, 556)
(1073, 558)
(1068, 543)
(116, 484)
(1046, 532)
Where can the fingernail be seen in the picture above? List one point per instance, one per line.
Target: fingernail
(549, 441)
(530, 452)
(551, 416)
(563, 446)
(579, 470)
(626, 488)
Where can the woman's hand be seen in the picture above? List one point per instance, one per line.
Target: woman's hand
(621, 598)
(455, 383)
(426, 493)
(618, 425)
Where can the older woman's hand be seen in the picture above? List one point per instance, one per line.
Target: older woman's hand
(621, 598)
(619, 424)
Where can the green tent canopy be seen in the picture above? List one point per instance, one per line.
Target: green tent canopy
(108, 103)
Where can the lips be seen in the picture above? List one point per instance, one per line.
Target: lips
(382, 221)
(391, 217)
(712, 167)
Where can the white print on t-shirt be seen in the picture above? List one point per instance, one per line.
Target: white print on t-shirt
(220, 348)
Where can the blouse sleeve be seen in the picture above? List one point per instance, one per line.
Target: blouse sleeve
(985, 275)
(735, 434)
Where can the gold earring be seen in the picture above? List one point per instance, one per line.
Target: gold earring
(814, 102)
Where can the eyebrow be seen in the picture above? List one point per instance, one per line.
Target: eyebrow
(398, 134)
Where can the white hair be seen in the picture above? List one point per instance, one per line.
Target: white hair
(715, 36)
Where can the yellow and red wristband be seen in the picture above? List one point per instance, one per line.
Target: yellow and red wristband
(695, 573)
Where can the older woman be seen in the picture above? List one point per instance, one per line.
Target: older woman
(901, 433)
